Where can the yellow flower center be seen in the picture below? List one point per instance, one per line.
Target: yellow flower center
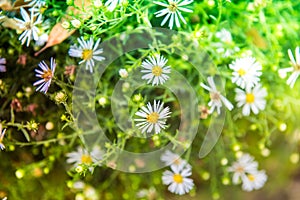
(251, 177)
(87, 54)
(297, 67)
(177, 178)
(86, 159)
(157, 71)
(152, 117)
(241, 72)
(240, 169)
(172, 7)
(215, 96)
(177, 162)
(28, 26)
(47, 75)
(250, 98)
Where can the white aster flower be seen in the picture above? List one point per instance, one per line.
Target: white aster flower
(226, 47)
(2, 64)
(123, 73)
(254, 180)
(153, 117)
(36, 3)
(112, 4)
(155, 69)
(173, 11)
(79, 185)
(216, 98)
(224, 35)
(42, 39)
(246, 72)
(28, 24)
(178, 181)
(46, 74)
(82, 156)
(76, 23)
(2, 133)
(90, 193)
(88, 52)
(173, 159)
(150, 193)
(251, 99)
(245, 164)
(295, 67)
(225, 51)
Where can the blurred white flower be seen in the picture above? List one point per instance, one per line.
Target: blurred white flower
(76, 23)
(102, 101)
(224, 35)
(42, 39)
(97, 3)
(225, 51)
(245, 164)
(173, 159)
(155, 70)
(251, 99)
(2, 64)
(153, 117)
(245, 170)
(123, 73)
(65, 24)
(36, 3)
(178, 180)
(112, 4)
(147, 193)
(216, 99)
(254, 180)
(90, 193)
(246, 72)
(79, 185)
(82, 156)
(173, 11)
(295, 67)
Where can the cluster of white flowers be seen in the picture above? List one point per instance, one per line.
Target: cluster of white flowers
(154, 117)
(226, 47)
(246, 74)
(84, 191)
(177, 179)
(245, 170)
(251, 96)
